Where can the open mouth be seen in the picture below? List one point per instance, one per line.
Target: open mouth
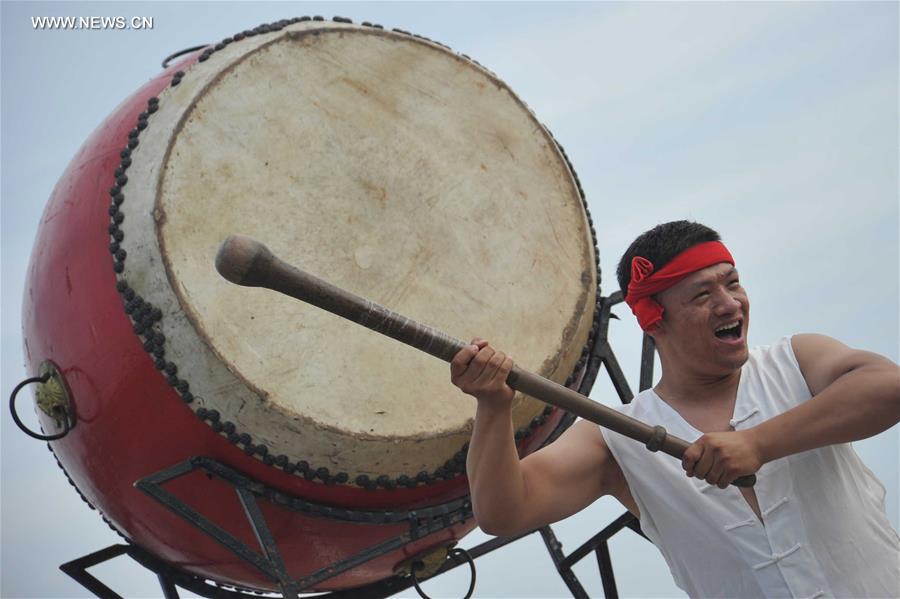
(730, 331)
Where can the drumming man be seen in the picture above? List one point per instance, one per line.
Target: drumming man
(813, 526)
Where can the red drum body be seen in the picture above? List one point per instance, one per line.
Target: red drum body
(383, 162)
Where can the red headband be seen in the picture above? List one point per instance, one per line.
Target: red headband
(646, 283)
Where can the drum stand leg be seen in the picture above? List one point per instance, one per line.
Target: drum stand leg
(554, 547)
(77, 569)
(168, 587)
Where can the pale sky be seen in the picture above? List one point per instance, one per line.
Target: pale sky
(775, 123)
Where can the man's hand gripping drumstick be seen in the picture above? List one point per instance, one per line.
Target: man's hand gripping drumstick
(247, 262)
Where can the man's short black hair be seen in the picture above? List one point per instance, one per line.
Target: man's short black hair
(662, 243)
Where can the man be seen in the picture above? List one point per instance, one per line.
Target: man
(814, 524)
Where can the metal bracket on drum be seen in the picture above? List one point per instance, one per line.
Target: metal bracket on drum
(52, 398)
(171, 57)
(422, 522)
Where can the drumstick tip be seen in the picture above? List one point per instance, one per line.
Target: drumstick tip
(238, 260)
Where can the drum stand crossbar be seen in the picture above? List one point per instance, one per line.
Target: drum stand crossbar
(421, 522)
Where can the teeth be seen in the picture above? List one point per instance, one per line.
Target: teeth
(730, 325)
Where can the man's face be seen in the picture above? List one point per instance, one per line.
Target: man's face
(704, 327)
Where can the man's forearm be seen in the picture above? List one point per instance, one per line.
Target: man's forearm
(859, 404)
(494, 471)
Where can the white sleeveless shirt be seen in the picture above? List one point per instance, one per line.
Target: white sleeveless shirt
(825, 534)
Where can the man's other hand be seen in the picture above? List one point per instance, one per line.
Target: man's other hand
(719, 458)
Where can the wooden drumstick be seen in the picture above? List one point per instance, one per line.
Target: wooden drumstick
(245, 261)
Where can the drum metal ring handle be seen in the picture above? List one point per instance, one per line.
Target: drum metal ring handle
(457, 555)
(52, 399)
(169, 58)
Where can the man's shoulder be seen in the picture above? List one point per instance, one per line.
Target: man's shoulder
(773, 376)
(780, 352)
(780, 345)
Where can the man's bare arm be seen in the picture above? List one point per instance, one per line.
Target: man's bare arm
(511, 496)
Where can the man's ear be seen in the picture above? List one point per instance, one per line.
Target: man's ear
(661, 324)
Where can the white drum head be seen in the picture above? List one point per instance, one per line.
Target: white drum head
(392, 168)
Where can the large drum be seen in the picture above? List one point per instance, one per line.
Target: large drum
(384, 162)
